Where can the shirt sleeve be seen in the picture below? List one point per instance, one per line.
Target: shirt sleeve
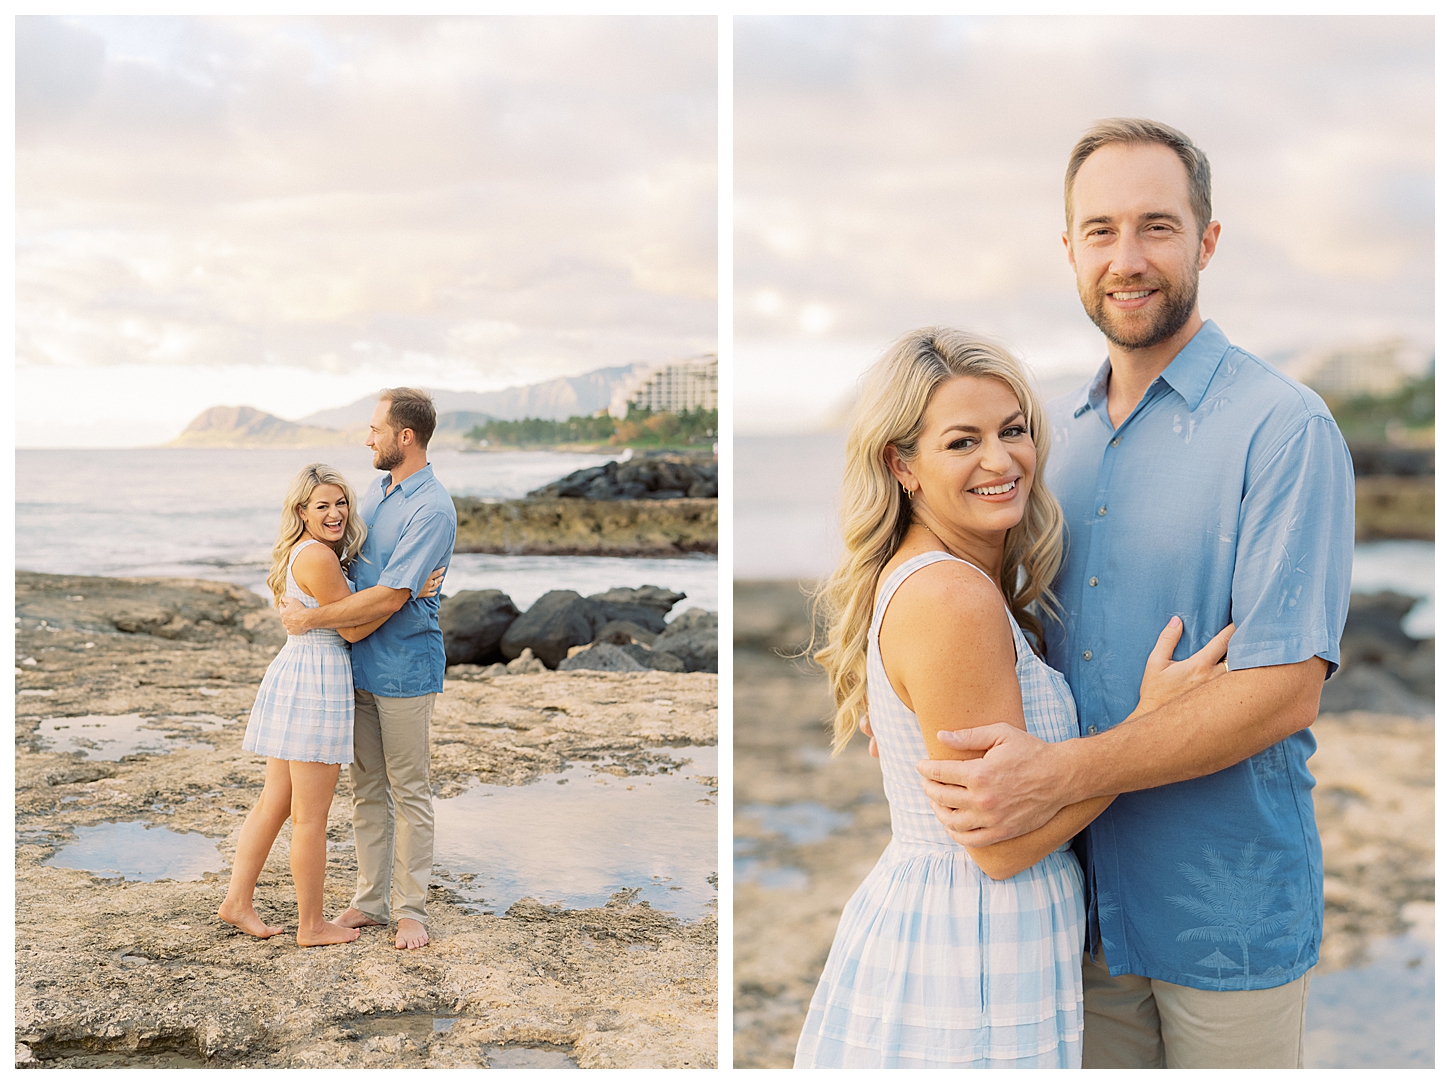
(426, 544)
(1295, 552)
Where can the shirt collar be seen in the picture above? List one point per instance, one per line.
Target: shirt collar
(1188, 374)
(408, 485)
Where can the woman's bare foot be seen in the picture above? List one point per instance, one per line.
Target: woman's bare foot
(246, 919)
(328, 933)
(354, 919)
(411, 934)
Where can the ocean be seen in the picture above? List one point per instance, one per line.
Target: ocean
(212, 513)
(785, 524)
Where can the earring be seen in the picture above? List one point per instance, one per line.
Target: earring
(910, 493)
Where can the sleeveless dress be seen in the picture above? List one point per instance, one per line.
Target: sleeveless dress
(303, 710)
(934, 964)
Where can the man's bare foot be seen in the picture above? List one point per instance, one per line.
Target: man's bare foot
(354, 919)
(411, 934)
(246, 919)
(328, 933)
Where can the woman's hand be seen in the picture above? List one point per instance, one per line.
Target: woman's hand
(1165, 680)
(435, 581)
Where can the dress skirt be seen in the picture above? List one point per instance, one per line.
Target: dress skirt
(304, 709)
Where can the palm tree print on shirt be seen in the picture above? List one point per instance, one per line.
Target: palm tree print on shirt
(1235, 901)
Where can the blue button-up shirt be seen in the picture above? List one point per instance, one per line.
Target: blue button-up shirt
(1227, 493)
(410, 533)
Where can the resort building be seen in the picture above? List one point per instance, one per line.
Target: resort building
(672, 387)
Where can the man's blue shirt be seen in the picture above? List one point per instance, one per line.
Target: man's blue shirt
(1227, 494)
(410, 533)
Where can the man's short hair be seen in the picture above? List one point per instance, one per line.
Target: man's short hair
(1136, 130)
(410, 408)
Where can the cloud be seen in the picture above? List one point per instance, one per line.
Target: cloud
(900, 171)
(222, 192)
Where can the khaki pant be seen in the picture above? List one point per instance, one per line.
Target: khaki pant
(1130, 1022)
(392, 805)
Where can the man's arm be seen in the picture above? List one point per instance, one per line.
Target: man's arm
(1021, 783)
(367, 606)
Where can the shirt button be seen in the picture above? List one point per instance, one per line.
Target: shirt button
(1092, 730)
(1103, 510)
(1093, 582)
(1117, 441)
(1088, 655)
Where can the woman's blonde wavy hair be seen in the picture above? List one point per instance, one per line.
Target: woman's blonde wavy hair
(875, 512)
(292, 528)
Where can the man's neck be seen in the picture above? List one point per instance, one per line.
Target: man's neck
(410, 466)
(1132, 371)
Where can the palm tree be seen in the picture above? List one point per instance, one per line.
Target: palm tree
(1235, 900)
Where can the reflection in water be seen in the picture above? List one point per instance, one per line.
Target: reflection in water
(797, 823)
(529, 1057)
(140, 852)
(1382, 1015)
(579, 837)
(111, 737)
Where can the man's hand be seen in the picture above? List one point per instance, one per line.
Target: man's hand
(294, 616)
(1014, 788)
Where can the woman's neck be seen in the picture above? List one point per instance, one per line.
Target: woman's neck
(985, 553)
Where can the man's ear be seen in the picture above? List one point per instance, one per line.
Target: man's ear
(406, 437)
(1208, 244)
(1067, 244)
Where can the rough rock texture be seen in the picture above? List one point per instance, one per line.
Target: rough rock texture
(114, 973)
(557, 621)
(650, 528)
(650, 477)
(693, 637)
(473, 624)
(1374, 805)
(196, 611)
(602, 656)
(644, 606)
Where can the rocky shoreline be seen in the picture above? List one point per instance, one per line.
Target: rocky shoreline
(113, 973)
(661, 504)
(585, 528)
(808, 828)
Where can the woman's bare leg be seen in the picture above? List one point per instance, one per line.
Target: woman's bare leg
(259, 832)
(312, 789)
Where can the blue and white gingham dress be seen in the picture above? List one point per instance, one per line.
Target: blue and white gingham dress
(303, 710)
(936, 965)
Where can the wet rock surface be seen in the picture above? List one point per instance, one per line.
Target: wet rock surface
(808, 828)
(111, 973)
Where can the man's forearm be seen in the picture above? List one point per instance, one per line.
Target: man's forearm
(1209, 728)
(361, 608)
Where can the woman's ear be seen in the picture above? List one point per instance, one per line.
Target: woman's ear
(899, 469)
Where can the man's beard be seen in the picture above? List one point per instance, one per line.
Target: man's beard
(1177, 306)
(387, 458)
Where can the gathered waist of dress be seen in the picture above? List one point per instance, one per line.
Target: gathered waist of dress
(909, 850)
(330, 637)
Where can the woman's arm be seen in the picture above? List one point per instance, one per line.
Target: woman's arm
(1163, 680)
(947, 646)
(317, 572)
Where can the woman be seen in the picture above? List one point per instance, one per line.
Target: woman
(302, 717)
(950, 957)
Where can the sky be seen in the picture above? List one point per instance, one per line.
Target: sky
(292, 212)
(893, 172)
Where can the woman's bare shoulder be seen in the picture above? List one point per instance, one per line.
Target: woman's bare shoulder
(950, 596)
(315, 558)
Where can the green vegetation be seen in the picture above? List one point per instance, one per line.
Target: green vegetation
(1407, 414)
(638, 429)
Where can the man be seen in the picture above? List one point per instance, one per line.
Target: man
(398, 670)
(1195, 480)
